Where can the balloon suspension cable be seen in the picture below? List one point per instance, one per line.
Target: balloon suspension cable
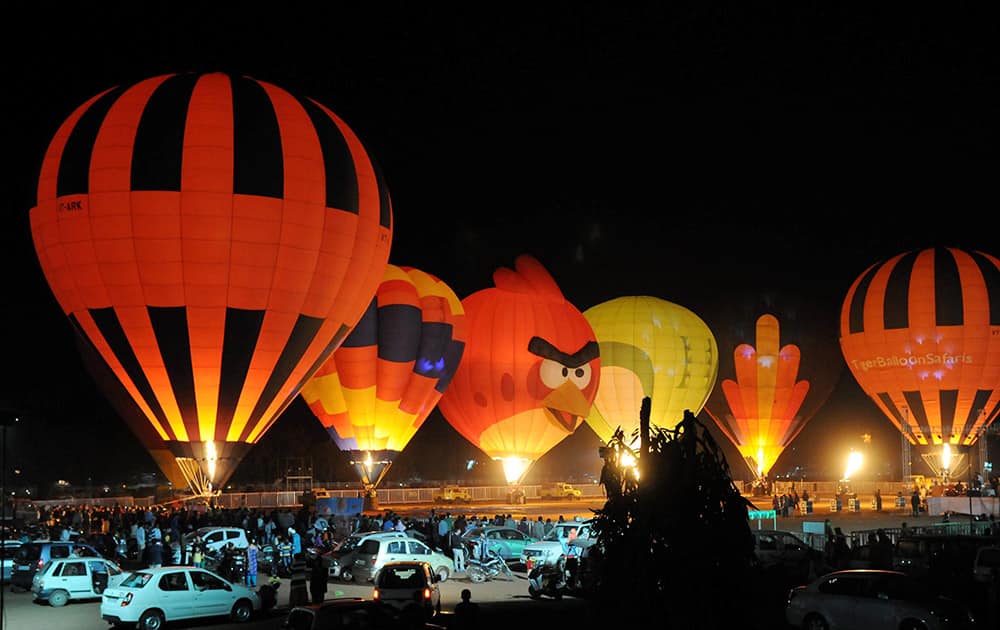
(197, 480)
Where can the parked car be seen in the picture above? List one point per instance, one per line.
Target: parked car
(451, 494)
(346, 612)
(870, 598)
(7, 568)
(944, 558)
(409, 587)
(153, 597)
(216, 538)
(376, 552)
(783, 551)
(32, 556)
(559, 490)
(566, 539)
(506, 541)
(341, 558)
(66, 579)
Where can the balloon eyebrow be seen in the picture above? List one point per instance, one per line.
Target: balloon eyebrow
(539, 347)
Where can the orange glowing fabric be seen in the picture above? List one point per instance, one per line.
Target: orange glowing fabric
(215, 238)
(531, 368)
(778, 365)
(921, 334)
(380, 385)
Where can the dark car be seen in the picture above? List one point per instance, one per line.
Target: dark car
(345, 612)
(32, 556)
(785, 552)
(945, 558)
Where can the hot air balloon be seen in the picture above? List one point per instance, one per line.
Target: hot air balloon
(215, 238)
(380, 385)
(649, 347)
(530, 370)
(778, 364)
(921, 334)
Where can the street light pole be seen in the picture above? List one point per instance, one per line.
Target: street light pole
(4, 421)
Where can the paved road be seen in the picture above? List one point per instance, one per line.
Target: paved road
(502, 601)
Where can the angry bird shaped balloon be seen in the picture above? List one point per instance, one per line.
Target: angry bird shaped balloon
(530, 371)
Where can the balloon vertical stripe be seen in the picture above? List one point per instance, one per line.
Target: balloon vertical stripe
(341, 183)
(74, 167)
(241, 326)
(158, 149)
(112, 333)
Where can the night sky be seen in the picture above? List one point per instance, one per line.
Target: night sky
(684, 153)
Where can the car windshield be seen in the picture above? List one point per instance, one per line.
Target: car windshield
(137, 579)
(350, 544)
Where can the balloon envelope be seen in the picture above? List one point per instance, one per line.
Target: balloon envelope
(649, 347)
(215, 238)
(921, 334)
(377, 389)
(530, 370)
(778, 364)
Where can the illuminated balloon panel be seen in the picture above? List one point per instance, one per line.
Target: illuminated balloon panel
(778, 364)
(215, 238)
(377, 389)
(649, 347)
(530, 371)
(921, 334)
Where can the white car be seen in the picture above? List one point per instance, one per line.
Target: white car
(64, 579)
(376, 552)
(569, 538)
(153, 597)
(871, 598)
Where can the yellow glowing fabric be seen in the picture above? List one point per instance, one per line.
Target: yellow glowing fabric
(650, 347)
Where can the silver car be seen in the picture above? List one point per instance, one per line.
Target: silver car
(870, 598)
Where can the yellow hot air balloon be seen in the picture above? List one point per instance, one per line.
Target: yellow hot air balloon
(650, 347)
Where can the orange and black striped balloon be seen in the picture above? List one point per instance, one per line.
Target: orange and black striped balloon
(215, 238)
(921, 334)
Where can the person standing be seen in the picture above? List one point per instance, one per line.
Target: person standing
(296, 540)
(458, 549)
(318, 576)
(252, 564)
(878, 500)
(298, 595)
(466, 612)
(915, 502)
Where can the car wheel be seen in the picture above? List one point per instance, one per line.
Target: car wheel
(443, 573)
(532, 593)
(347, 575)
(151, 620)
(58, 598)
(242, 611)
(815, 622)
